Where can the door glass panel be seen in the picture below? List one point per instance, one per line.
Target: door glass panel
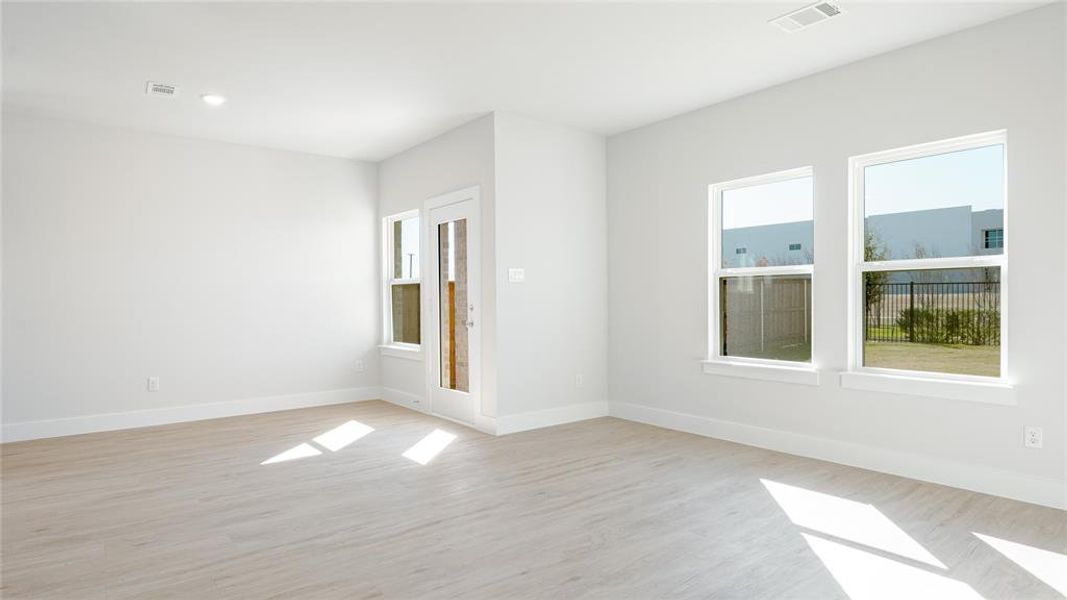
(452, 274)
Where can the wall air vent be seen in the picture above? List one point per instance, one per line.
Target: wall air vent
(807, 16)
(162, 90)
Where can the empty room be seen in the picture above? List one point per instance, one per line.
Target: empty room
(508, 300)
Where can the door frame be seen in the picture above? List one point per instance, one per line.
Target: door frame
(431, 317)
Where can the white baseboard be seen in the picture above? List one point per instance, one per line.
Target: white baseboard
(32, 430)
(506, 424)
(416, 402)
(402, 398)
(1017, 486)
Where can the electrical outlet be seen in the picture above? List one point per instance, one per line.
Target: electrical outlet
(579, 380)
(1033, 437)
(358, 366)
(153, 384)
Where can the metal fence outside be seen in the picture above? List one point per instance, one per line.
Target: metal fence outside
(933, 312)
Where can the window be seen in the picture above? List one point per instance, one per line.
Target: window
(993, 238)
(760, 295)
(928, 252)
(403, 292)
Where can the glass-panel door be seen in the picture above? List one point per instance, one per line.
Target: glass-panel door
(453, 369)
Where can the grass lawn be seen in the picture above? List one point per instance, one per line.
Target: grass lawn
(941, 358)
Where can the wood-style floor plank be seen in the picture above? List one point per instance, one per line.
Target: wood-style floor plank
(599, 509)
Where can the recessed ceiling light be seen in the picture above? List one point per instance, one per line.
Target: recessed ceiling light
(213, 99)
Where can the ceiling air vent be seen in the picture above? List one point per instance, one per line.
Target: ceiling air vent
(807, 16)
(161, 90)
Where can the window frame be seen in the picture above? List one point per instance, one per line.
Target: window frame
(858, 266)
(742, 366)
(389, 345)
(1000, 238)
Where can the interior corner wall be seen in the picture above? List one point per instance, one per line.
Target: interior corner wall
(550, 221)
(230, 272)
(457, 159)
(1007, 74)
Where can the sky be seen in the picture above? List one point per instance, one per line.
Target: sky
(972, 177)
(409, 247)
(781, 202)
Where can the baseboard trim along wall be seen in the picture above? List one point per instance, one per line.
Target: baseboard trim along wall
(402, 398)
(1017, 486)
(506, 424)
(32, 430)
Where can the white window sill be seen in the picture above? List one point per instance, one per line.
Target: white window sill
(991, 392)
(805, 375)
(405, 352)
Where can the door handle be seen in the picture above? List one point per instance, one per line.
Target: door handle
(470, 324)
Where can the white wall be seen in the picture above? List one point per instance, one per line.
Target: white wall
(228, 271)
(1007, 74)
(457, 159)
(551, 221)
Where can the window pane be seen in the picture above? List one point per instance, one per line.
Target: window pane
(936, 206)
(406, 328)
(766, 317)
(452, 274)
(769, 224)
(945, 321)
(406, 248)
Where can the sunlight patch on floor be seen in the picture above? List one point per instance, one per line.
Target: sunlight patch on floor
(1048, 566)
(867, 576)
(301, 451)
(430, 446)
(342, 435)
(848, 520)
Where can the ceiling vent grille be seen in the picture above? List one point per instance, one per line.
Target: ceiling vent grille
(162, 90)
(807, 16)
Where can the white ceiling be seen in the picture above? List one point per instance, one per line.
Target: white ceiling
(368, 80)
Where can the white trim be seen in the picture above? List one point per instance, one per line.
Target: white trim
(914, 382)
(480, 419)
(782, 371)
(893, 382)
(954, 262)
(550, 417)
(1008, 484)
(715, 363)
(468, 193)
(31, 430)
(404, 399)
(405, 351)
(765, 271)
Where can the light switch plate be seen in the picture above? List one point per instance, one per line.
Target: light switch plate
(516, 275)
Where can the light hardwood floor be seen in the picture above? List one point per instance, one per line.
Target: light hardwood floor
(601, 509)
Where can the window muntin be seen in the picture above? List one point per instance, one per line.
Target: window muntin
(762, 219)
(760, 287)
(930, 266)
(403, 280)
